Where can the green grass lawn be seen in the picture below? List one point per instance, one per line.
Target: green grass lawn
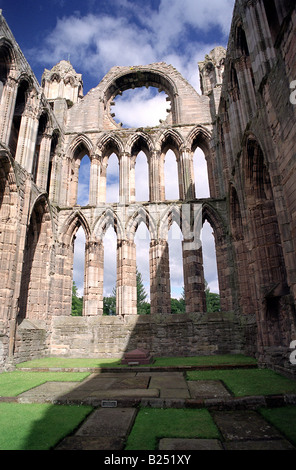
(53, 362)
(37, 426)
(16, 382)
(284, 419)
(153, 424)
(248, 382)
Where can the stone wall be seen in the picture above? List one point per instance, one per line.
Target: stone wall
(162, 335)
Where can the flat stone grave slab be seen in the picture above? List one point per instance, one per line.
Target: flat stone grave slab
(124, 393)
(189, 444)
(273, 444)
(130, 383)
(91, 443)
(207, 389)
(174, 393)
(166, 380)
(49, 391)
(111, 422)
(244, 425)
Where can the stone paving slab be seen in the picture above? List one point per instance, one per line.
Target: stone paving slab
(189, 444)
(273, 444)
(207, 389)
(118, 393)
(49, 391)
(114, 422)
(168, 381)
(131, 382)
(91, 443)
(244, 425)
(174, 393)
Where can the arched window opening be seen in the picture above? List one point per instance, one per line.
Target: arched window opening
(110, 271)
(272, 18)
(78, 272)
(175, 239)
(201, 178)
(5, 61)
(112, 180)
(171, 176)
(210, 268)
(142, 240)
(35, 276)
(234, 84)
(241, 42)
(53, 147)
(83, 181)
(43, 121)
(20, 105)
(141, 107)
(141, 177)
(257, 172)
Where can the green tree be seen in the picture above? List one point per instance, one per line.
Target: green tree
(143, 307)
(212, 300)
(109, 303)
(77, 302)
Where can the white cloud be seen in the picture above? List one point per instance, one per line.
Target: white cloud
(136, 35)
(140, 107)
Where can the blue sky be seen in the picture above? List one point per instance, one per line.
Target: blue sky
(96, 35)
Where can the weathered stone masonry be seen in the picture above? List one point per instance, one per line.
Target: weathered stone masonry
(244, 122)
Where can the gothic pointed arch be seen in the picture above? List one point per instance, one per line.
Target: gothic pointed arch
(171, 214)
(141, 215)
(108, 219)
(70, 227)
(140, 141)
(171, 139)
(80, 145)
(108, 144)
(36, 277)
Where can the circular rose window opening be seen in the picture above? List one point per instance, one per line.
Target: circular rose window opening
(140, 107)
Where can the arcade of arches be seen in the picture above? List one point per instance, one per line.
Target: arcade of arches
(51, 133)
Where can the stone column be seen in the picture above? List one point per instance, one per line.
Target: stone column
(224, 272)
(94, 182)
(103, 182)
(126, 285)
(187, 191)
(63, 279)
(194, 282)
(93, 278)
(154, 178)
(27, 139)
(160, 292)
(43, 163)
(124, 179)
(7, 109)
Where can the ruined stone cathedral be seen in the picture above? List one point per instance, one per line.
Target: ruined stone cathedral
(244, 121)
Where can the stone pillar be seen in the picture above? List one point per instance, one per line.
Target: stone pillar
(194, 282)
(93, 278)
(94, 181)
(160, 292)
(103, 182)
(43, 163)
(124, 179)
(7, 109)
(63, 279)
(224, 272)
(154, 178)
(186, 181)
(27, 140)
(126, 285)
